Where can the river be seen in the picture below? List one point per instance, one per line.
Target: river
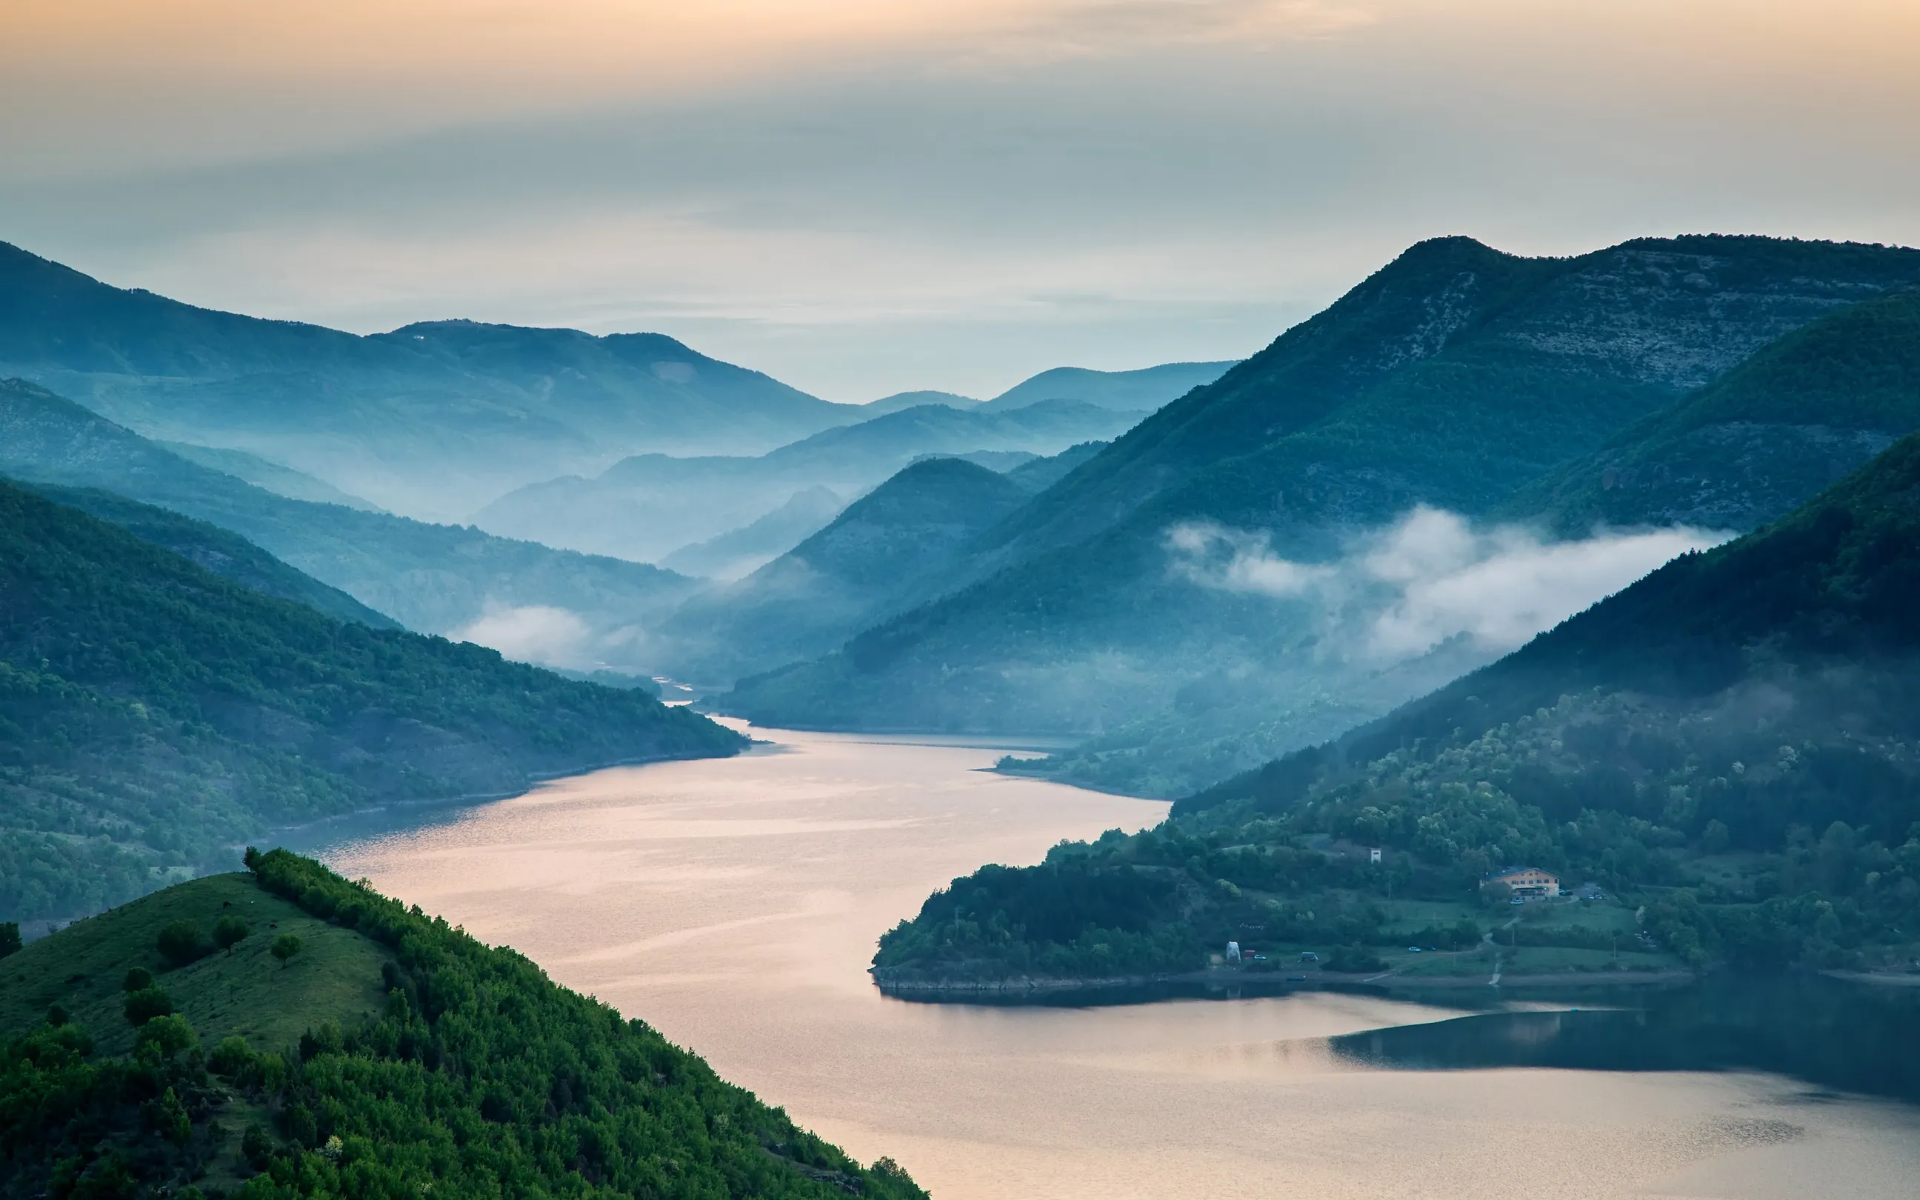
(734, 905)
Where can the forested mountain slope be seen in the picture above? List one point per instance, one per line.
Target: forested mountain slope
(226, 554)
(1450, 378)
(433, 578)
(388, 1055)
(832, 584)
(153, 715)
(260, 472)
(1760, 440)
(1733, 743)
(1754, 444)
(434, 418)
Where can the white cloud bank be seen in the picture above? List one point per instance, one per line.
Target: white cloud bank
(1432, 576)
(536, 633)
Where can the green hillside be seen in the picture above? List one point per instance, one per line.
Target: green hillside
(1732, 745)
(153, 715)
(1452, 377)
(389, 1056)
(431, 578)
(1756, 443)
(226, 554)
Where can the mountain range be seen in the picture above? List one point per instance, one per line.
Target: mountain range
(1124, 391)
(430, 578)
(1171, 564)
(649, 506)
(432, 419)
(1760, 440)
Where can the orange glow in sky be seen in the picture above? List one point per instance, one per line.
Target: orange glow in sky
(990, 186)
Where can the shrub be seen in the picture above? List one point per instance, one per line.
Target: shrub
(229, 932)
(256, 1146)
(180, 942)
(147, 1004)
(169, 1035)
(138, 979)
(232, 1057)
(1354, 959)
(9, 937)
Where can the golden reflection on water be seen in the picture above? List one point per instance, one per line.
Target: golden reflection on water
(734, 906)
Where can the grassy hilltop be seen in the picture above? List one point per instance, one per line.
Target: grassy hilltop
(388, 1056)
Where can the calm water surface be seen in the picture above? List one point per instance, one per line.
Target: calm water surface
(734, 905)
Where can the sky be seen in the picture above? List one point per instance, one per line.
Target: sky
(861, 197)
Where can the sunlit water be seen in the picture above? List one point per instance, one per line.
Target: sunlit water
(734, 905)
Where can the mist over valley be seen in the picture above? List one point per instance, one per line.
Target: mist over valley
(1090, 599)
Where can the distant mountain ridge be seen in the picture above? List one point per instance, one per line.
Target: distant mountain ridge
(1451, 377)
(431, 578)
(1142, 390)
(435, 417)
(648, 506)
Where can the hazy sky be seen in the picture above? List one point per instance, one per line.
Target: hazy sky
(862, 196)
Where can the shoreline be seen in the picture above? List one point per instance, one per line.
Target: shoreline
(1265, 982)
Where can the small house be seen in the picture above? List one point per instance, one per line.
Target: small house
(1526, 883)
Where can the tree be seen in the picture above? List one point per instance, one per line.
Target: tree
(138, 979)
(9, 938)
(284, 948)
(229, 932)
(169, 1117)
(169, 1035)
(1715, 837)
(180, 942)
(231, 1056)
(147, 1004)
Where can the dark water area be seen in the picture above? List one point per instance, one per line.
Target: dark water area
(1832, 1034)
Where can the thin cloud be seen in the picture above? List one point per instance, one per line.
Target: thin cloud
(536, 633)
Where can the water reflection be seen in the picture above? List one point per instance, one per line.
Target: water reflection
(1843, 1036)
(734, 905)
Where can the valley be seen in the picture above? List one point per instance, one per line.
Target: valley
(1467, 574)
(1059, 599)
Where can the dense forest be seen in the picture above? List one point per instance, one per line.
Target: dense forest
(472, 1074)
(1732, 744)
(153, 715)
